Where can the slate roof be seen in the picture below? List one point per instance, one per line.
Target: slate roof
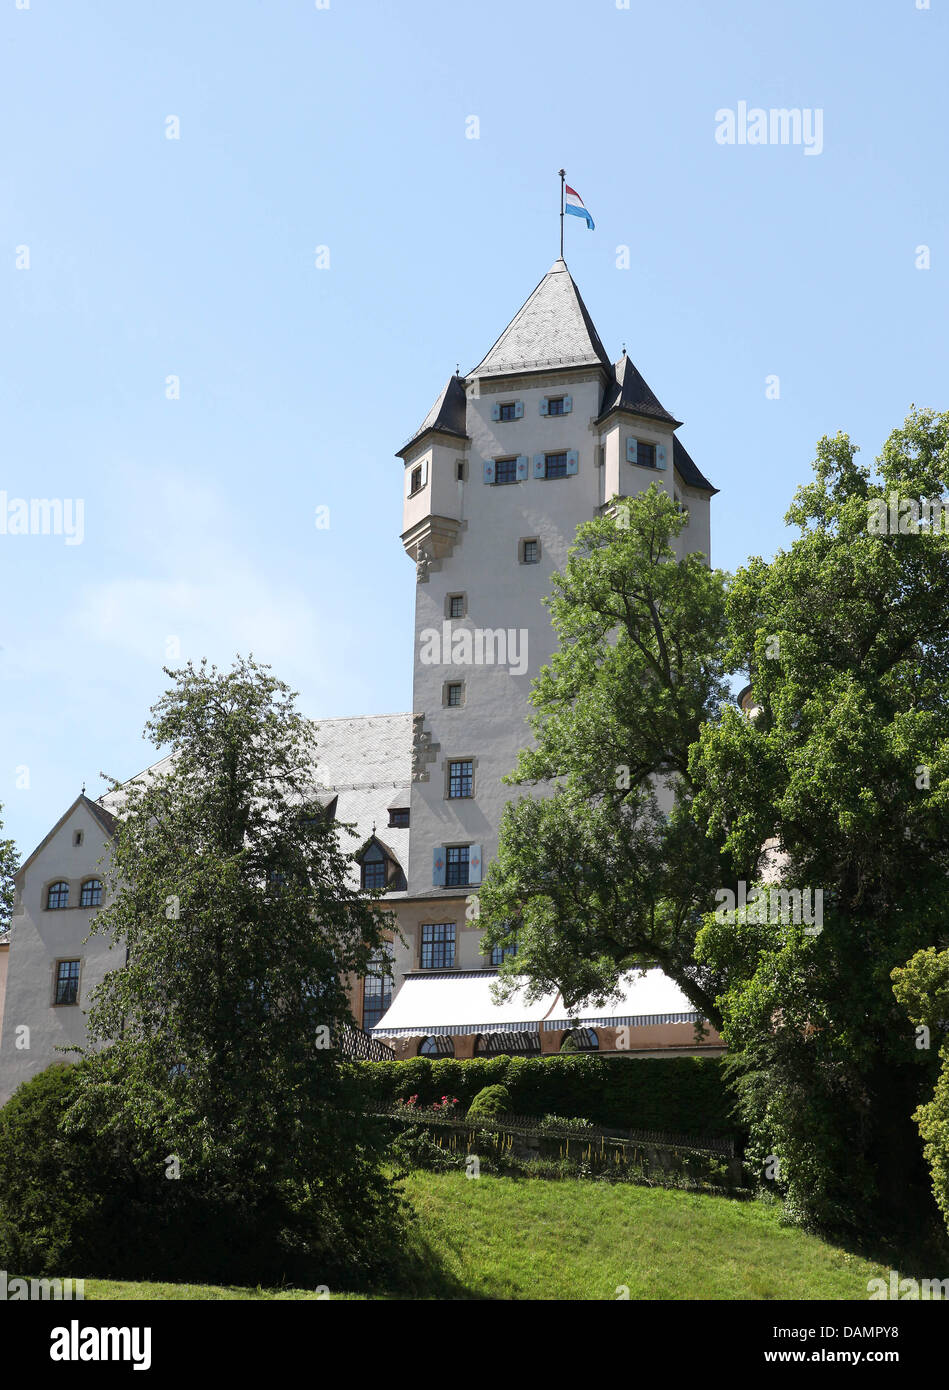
(628, 391)
(688, 471)
(360, 762)
(447, 415)
(552, 327)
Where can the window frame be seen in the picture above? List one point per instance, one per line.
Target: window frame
(55, 887)
(510, 465)
(459, 865)
(59, 982)
(557, 454)
(444, 941)
(95, 885)
(458, 777)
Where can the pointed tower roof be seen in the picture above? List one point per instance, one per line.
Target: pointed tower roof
(689, 472)
(553, 328)
(630, 392)
(447, 415)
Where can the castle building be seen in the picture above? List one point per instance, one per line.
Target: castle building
(512, 457)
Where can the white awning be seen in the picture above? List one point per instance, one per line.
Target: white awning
(646, 1000)
(459, 1001)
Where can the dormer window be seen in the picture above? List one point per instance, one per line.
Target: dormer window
(399, 817)
(378, 870)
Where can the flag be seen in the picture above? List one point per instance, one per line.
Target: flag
(574, 204)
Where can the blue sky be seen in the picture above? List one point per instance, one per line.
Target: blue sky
(346, 128)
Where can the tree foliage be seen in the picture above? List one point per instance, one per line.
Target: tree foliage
(846, 767)
(234, 920)
(610, 871)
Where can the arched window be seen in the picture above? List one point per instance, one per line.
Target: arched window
(374, 867)
(580, 1040)
(57, 895)
(506, 1044)
(90, 894)
(441, 1046)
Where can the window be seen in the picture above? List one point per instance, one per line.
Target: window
(507, 411)
(374, 869)
(461, 469)
(555, 465)
(58, 895)
(67, 981)
(77, 837)
(416, 480)
(505, 470)
(456, 867)
(90, 894)
(399, 817)
(436, 1047)
(646, 455)
(555, 405)
(499, 953)
(454, 691)
(377, 990)
(460, 780)
(530, 552)
(438, 945)
(456, 605)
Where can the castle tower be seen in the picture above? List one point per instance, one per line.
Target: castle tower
(508, 462)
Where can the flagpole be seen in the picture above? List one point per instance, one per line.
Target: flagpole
(563, 175)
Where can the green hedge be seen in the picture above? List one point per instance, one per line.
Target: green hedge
(684, 1094)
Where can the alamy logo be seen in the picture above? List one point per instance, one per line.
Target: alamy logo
(39, 1290)
(776, 905)
(904, 516)
(480, 646)
(42, 516)
(907, 1288)
(75, 1343)
(777, 126)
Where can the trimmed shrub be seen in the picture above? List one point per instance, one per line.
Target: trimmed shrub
(687, 1095)
(81, 1204)
(491, 1101)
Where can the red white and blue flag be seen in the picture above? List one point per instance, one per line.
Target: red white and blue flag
(574, 203)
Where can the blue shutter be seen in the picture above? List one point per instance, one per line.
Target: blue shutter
(573, 460)
(567, 404)
(632, 448)
(523, 463)
(474, 864)
(543, 405)
(660, 455)
(495, 412)
(489, 470)
(438, 866)
(539, 468)
(518, 410)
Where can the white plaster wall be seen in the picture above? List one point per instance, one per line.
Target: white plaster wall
(39, 938)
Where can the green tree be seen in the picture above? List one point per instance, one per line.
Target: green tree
(610, 871)
(234, 920)
(846, 768)
(8, 867)
(922, 987)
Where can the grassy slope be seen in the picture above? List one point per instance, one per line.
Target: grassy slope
(500, 1238)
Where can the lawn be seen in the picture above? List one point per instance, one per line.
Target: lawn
(534, 1239)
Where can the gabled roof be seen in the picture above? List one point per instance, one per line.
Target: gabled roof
(99, 814)
(553, 328)
(447, 415)
(690, 474)
(628, 391)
